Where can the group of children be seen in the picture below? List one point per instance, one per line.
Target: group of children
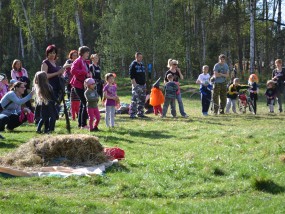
(46, 99)
(206, 85)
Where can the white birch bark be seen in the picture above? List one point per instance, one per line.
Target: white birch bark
(21, 43)
(78, 23)
(252, 39)
(29, 29)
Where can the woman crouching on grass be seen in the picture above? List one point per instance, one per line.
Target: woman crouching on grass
(12, 107)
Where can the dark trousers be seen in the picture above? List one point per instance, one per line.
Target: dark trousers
(49, 125)
(206, 100)
(11, 121)
(82, 115)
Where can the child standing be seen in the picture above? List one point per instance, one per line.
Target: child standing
(232, 95)
(92, 99)
(110, 94)
(74, 103)
(156, 98)
(252, 81)
(171, 89)
(47, 103)
(205, 89)
(270, 95)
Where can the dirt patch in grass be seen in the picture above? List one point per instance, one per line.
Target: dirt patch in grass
(66, 150)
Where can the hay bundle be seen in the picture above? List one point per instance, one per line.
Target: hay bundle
(70, 150)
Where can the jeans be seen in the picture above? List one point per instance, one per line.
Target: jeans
(110, 116)
(180, 104)
(168, 101)
(206, 101)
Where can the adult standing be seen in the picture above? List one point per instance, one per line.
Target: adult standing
(96, 73)
(176, 73)
(221, 72)
(72, 56)
(80, 71)
(19, 73)
(278, 75)
(138, 80)
(54, 72)
(11, 103)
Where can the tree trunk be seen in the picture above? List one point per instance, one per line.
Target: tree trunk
(30, 31)
(78, 23)
(187, 24)
(252, 36)
(279, 36)
(21, 43)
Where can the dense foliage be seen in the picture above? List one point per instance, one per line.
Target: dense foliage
(194, 32)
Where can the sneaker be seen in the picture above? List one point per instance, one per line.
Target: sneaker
(132, 116)
(39, 132)
(222, 112)
(95, 129)
(185, 116)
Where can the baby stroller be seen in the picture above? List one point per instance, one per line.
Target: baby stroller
(244, 102)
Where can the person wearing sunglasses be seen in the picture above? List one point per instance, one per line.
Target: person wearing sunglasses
(177, 74)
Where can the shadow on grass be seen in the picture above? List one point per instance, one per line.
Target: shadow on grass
(7, 145)
(144, 133)
(267, 185)
(117, 168)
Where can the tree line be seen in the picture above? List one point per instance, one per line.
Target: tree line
(192, 31)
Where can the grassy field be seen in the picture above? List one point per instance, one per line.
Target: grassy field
(215, 164)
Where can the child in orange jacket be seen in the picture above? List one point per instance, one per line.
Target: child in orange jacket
(156, 98)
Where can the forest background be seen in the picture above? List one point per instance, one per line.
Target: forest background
(194, 32)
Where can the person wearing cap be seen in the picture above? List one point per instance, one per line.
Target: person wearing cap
(156, 98)
(80, 72)
(4, 87)
(12, 106)
(138, 79)
(172, 64)
(205, 89)
(92, 99)
(221, 73)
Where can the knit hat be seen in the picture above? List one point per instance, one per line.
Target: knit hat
(156, 84)
(89, 81)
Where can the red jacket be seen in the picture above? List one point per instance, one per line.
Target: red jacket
(79, 71)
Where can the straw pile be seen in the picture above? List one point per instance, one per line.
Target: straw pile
(67, 150)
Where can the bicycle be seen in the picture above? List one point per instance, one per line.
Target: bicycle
(244, 102)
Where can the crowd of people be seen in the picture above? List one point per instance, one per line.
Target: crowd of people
(82, 81)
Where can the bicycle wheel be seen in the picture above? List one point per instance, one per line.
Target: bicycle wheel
(241, 106)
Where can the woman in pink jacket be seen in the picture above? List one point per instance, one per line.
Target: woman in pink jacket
(80, 71)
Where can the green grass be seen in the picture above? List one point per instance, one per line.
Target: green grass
(216, 164)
